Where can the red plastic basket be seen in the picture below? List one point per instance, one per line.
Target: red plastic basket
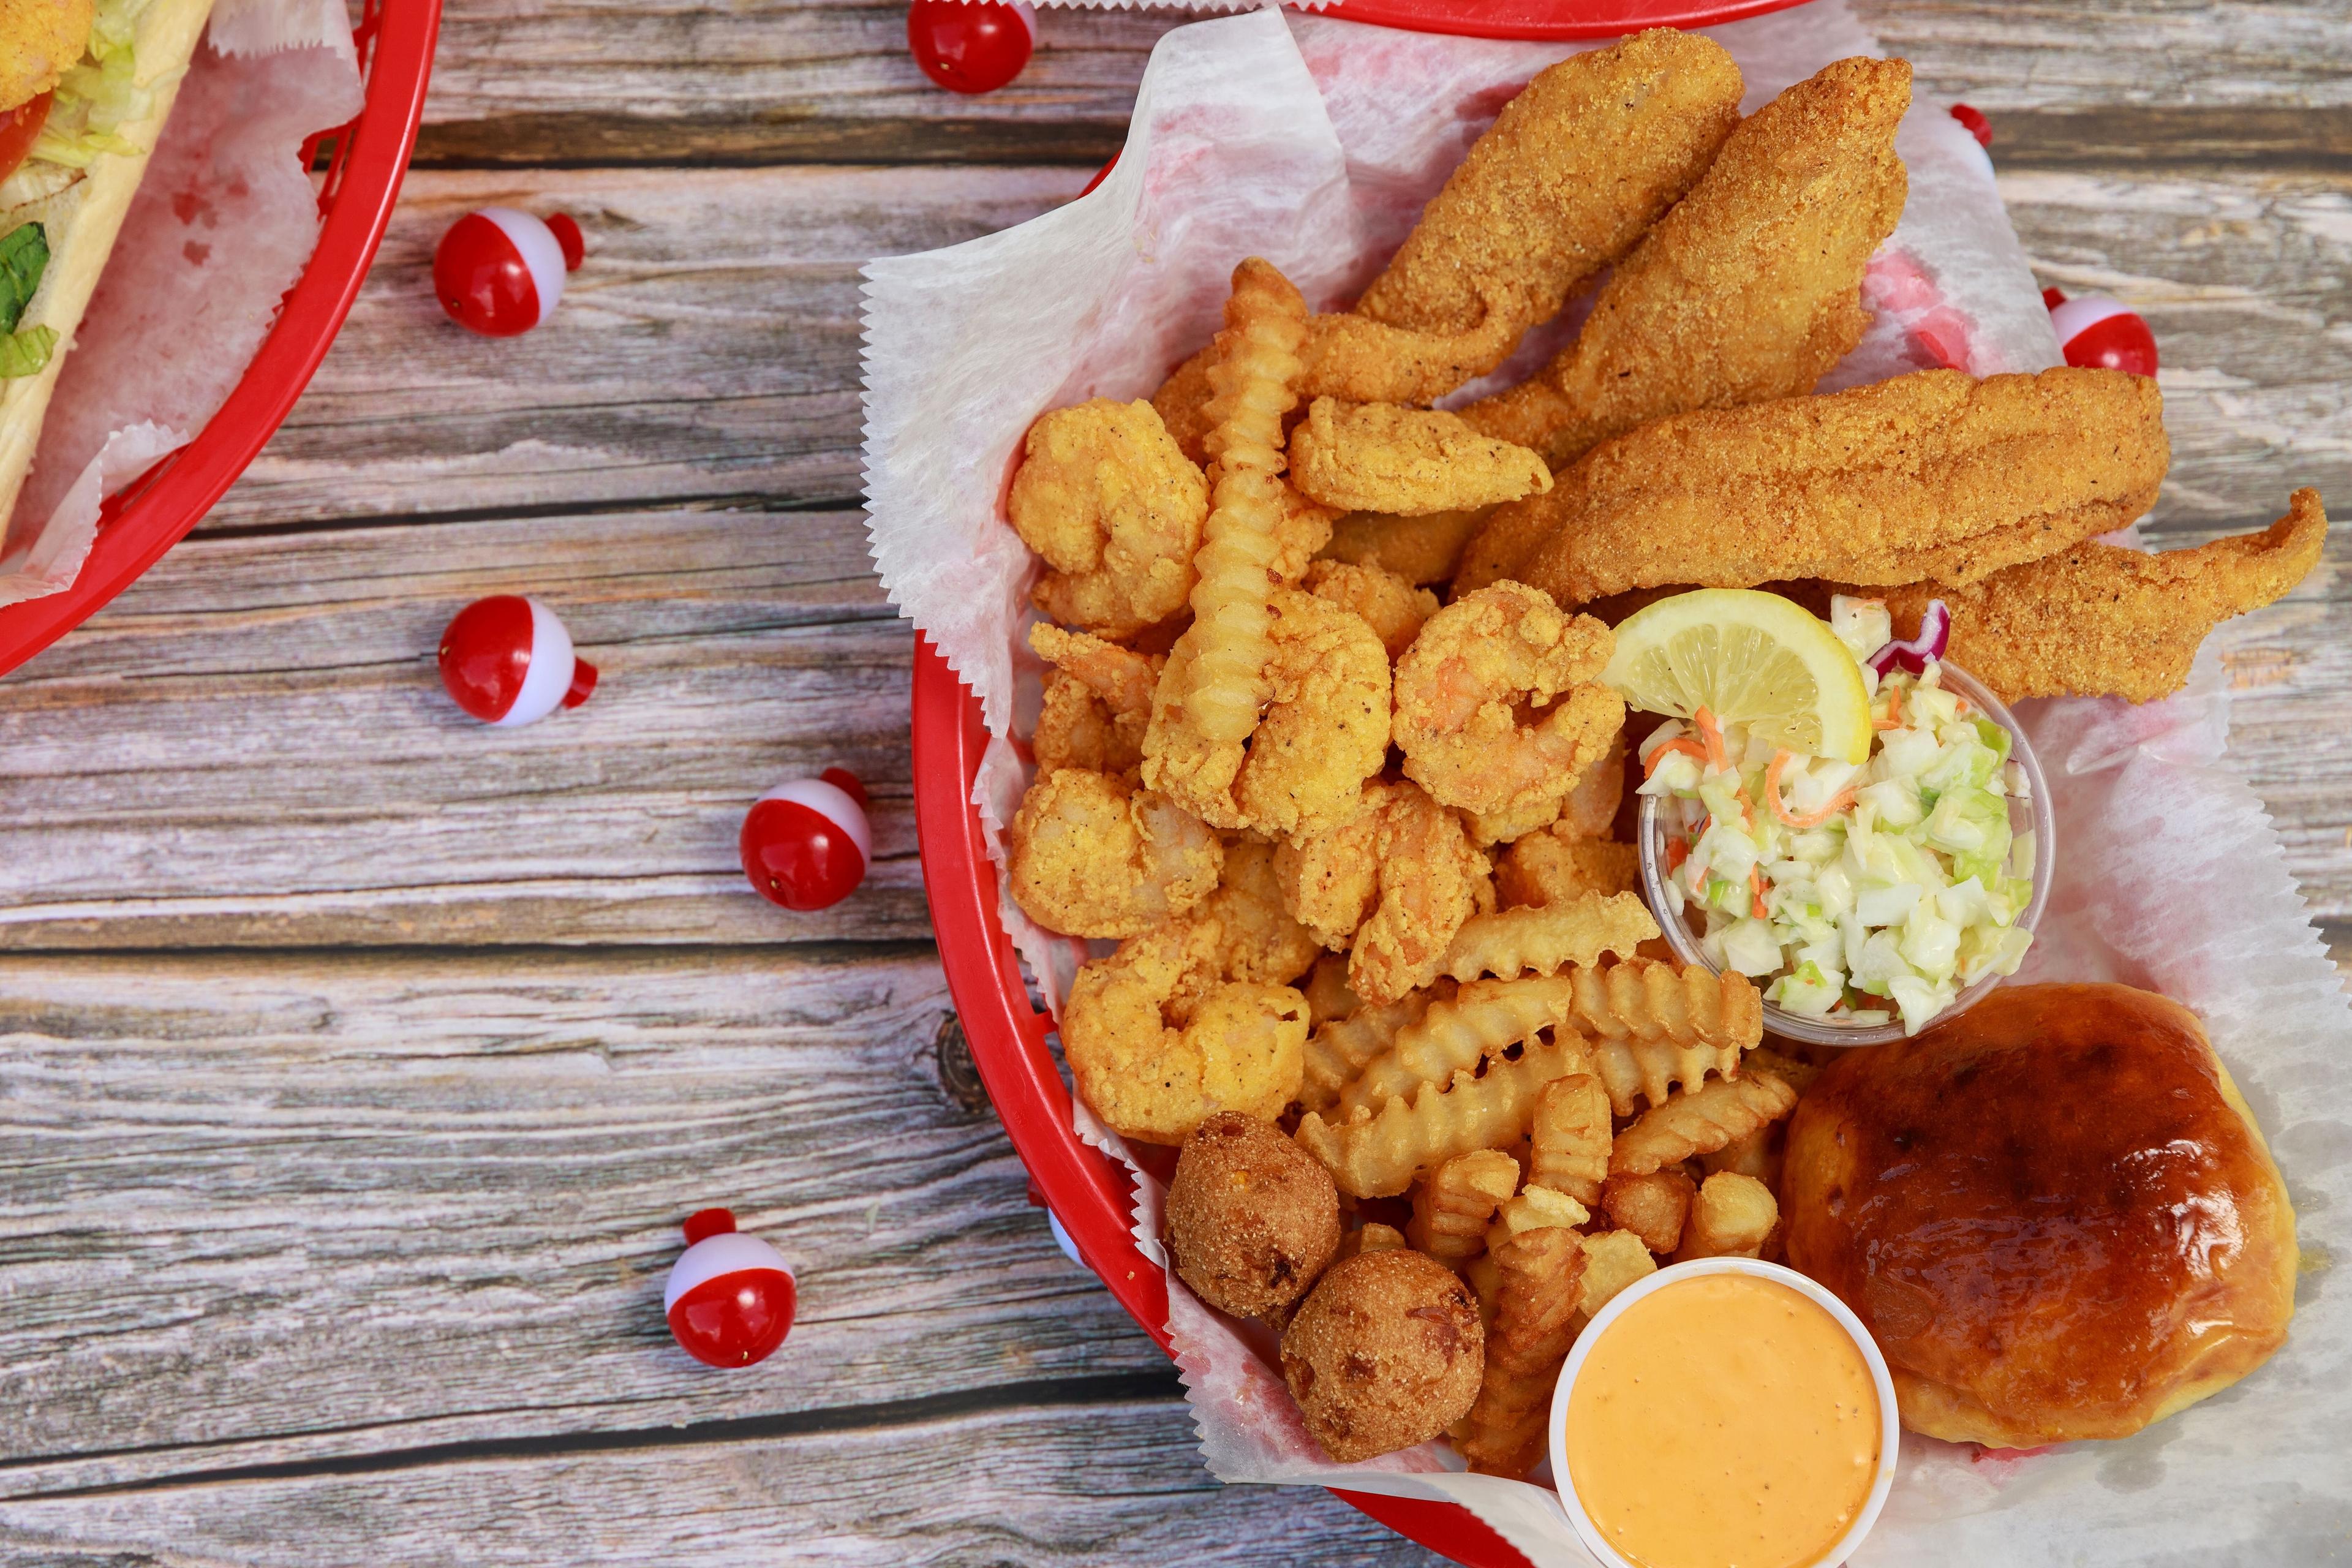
(1089, 1193)
(366, 161)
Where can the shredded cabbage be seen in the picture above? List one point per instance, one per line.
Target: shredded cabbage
(100, 94)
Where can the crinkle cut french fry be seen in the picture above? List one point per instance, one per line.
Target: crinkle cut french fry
(1613, 1260)
(1656, 1025)
(1452, 1204)
(1542, 1281)
(1339, 1050)
(1654, 1206)
(1483, 1017)
(1543, 939)
(1570, 1137)
(1699, 1121)
(1732, 1216)
(1535, 1208)
(1381, 1155)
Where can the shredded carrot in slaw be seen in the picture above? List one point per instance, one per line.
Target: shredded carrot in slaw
(1682, 744)
(1756, 886)
(1837, 802)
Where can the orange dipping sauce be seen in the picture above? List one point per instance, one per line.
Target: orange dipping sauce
(1724, 1422)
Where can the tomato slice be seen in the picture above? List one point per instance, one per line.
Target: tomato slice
(19, 128)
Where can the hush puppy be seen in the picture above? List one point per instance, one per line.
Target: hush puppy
(1253, 1219)
(1387, 1353)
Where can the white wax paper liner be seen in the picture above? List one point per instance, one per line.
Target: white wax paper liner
(1236, 150)
(221, 227)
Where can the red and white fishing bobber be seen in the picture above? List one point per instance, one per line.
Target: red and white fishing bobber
(972, 45)
(730, 1296)
(806, 843)
(1974, 122)
(507, 659)
(2101, 333)
(499, 272)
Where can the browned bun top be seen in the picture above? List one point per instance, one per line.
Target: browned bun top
(2053, 1212)
(40, 41)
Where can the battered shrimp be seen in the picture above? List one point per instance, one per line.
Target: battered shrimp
(1096, 704)
(1115, 507)
(1153, 1071)
(1392, 884)
(1393, 607)
(1090, 855)
(1258, 940)
(1498, 701)
(1324, 731)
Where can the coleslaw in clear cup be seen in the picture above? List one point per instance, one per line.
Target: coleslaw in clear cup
(1684, 918)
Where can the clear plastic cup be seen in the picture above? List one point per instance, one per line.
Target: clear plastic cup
(2032, 813)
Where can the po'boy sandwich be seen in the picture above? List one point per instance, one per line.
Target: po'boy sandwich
(84, 90)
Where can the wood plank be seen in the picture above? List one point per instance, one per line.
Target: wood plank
(625, 81)
(1038, 1488)
(252, 744)
(294, 1208)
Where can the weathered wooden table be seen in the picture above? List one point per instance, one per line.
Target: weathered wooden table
(357, 1062)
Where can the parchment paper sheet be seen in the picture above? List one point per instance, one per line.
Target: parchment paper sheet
(222, 226)
(1314, 143)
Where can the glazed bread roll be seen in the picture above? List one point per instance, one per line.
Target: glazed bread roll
(2054, 1213)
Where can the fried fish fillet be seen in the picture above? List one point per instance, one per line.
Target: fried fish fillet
(2101, 621)
(1932, 476)
(1571, 175)
(1376, 457)
(1749, 288)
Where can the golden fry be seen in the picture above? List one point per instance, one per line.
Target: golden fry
(1732, 1216)
(1542, 1280)
(1252, 376)
(2101, 621)
(1483, 1017)
(1341, 1048)
(1452, 1206)
(1534, 1208)
(1115, 510)
(1544, 939)
(1749, 289)
(1376, 457)
(1700, 1121)
(1797, 1075)
(1928, 476)
(1475, 668)
(1613, 1260)
(1569, 1138)
(1381, 1154)
(1652, 1206)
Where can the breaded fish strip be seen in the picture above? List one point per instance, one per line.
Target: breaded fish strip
(2100, 621)
(1376, 457)
(1418, 549)
(1749, 289)
(1928, 476)
(1570, 175)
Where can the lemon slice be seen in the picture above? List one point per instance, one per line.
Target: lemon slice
(1749, 658)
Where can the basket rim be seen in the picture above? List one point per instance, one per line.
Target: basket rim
(162, 507)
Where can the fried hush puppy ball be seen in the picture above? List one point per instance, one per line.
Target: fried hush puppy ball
(1386, 1353)
(1253, 1219)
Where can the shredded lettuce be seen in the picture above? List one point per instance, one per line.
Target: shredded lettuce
(100, 94)
(26, 353)
(24, 257)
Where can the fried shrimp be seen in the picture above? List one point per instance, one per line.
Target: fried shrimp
(1392, 884)
(2101, 621)
(1749, 289)
(1153, 1071)
(1097, 702)
(1932, 475)
(1498, 703)
(1569, 177)
(1326, 729)
(1393, 607)
(1117, 511)
(1256, 939)
(1091, 855)
(1376, 457)
(1224, 657)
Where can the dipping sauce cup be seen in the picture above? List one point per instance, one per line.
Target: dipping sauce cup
(1724, 1413)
